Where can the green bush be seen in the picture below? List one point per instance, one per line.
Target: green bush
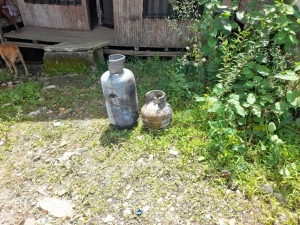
(252, 75)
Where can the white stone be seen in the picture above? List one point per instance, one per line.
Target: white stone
(61, 192)
(207, 216)
(160, 200)
(127, 212)
(41, 99)
(221, 222)
(146, 208)
(50, 87)
(129, 194)
(108, 219)
(56, 207)
(157, 219)
(141, 162)
(41, 221)
(56, 124)
(34, 113)
(267, 188)
(66, 156)
(173, 151)
(30, 221)
(231, 221)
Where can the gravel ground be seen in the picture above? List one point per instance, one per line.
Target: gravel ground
(102, 177)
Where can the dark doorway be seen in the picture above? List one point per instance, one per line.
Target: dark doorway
(108, 13)
(102, 13)
(94, 12)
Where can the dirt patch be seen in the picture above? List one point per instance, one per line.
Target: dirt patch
(74, 80)
(108, 176)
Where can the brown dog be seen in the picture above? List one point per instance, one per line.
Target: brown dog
(10, 54)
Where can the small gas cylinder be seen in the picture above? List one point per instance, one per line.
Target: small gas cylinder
(156, 113)
(119, 90)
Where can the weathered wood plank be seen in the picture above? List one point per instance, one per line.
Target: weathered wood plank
(30, 45)
(99, 33)
(55, 16)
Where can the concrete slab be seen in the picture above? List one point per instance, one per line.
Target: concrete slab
(76, 46)
(71, 62)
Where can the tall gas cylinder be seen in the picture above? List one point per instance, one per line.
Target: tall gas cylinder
(156, 113)
(119, 90)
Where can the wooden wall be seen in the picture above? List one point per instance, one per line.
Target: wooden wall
(131, 29)
(55, 16)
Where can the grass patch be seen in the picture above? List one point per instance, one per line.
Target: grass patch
(116, 170)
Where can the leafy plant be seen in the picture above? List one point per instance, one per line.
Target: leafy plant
(256, 75)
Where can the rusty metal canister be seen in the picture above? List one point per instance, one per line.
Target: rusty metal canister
(156, 113)
(119, 90)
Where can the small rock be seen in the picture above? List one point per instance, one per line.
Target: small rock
(3, 84)
(173, 151)
(207, 216)
(66, 156)
(63, 143)
(221, 222)
(36, 158)
(127, 212)
(163, 209)
(109, 200)
(129, 194)
(141, 162)
(1, 143)
(150, 157)
(160, 200)
(157, 219)
(282, 217)
(108, 219)
(50, 87)
(57, 124)
(42, 191)
(228, 191)
(61, 192)
(30, 221)
(280, 197)
(34, 113)
(9, 83)
(231, 221)
(172, 209)
(81, 149)
(56, 207)
(41, 221)
(239, 193)
(267, 188)
(41, 99)
(146, 208)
